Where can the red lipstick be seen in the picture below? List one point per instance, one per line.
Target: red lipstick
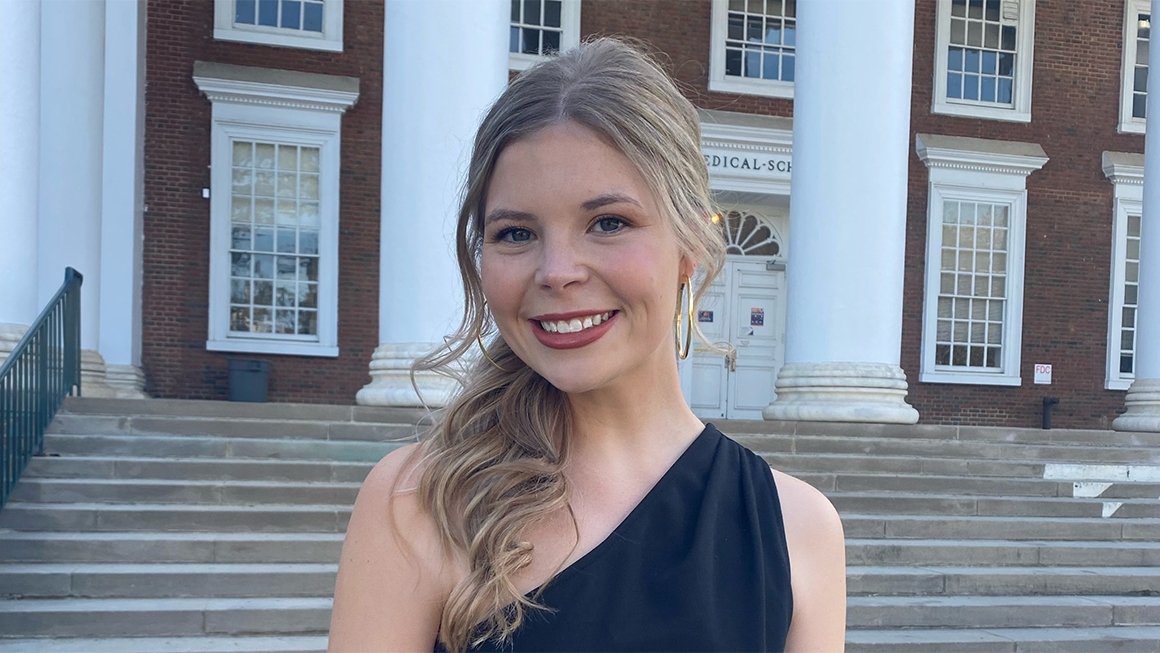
(570, 340)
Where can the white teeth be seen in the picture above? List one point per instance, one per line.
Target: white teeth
(574, 325)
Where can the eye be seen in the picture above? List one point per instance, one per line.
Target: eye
(609, 224)
(513, 235)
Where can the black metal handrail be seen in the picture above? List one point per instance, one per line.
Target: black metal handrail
(41, 371)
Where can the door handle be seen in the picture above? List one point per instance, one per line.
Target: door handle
(731, 361)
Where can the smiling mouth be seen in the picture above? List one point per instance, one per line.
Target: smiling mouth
(576, 324)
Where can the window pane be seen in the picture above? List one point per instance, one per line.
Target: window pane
(552, 11)
(268, 13)
(291, 14)
(531, 41)
(245, 12)
(532, 12)
(312, 17)
(551, 41)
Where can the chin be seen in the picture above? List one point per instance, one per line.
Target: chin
(568, 382)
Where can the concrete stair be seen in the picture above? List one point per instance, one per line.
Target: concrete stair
(205, 526)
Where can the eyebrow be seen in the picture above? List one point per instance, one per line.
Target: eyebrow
(508, 214)
(606, 199)
(591, 205)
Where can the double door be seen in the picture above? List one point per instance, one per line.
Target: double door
(744, 309)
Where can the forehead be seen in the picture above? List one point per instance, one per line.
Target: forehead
(561, 163)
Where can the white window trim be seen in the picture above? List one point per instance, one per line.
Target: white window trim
(1129, 124)
(330, 40)
(569, 37)
(976, 170)
(1126, 171)
(1025, 50)
(255, 104)
(718, 80)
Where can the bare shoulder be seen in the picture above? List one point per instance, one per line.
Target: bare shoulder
(393, 577)
(805, 510)
(817, 556)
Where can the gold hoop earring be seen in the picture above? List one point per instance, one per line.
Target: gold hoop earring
(687, 292)
(483, 350)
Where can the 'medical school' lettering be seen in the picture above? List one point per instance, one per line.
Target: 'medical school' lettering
(748, 163)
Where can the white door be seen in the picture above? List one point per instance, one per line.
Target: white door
(744, 308)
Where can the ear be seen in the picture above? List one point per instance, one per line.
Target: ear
(687, 267)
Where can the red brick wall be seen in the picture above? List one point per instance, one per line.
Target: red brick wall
(1074, 111)
(1074, 114)
(176, 259)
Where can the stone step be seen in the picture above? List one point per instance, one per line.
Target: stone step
(186, 408)
(891, 503)
(836, 463)
(201, 446)
(173, 517)
(1115, 639)
(1040, 581)
(999, 528)
(253, 429)
(1002, 611)
(993, 553)
(932, 484)
(946, 433)
(167, 580)
(954, 449)
(1115, 490)
(238, 644)
(175, 580)
(200, 547)
(196, 469)
(65, 490)
(174, 617)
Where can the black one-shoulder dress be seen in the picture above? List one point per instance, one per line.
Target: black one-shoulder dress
(699, 565)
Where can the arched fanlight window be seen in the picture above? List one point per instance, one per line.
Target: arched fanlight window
(748, 234)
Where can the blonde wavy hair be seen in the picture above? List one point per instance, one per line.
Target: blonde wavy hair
(493, 462)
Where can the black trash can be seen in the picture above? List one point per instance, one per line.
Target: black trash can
(249, 380)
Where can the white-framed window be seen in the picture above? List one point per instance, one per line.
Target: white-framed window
(753, 47)
(1126, 171)
(1134, 76)
(309, 24)
(976, 229)
(274, 208)
(983, 59)
(541, 27)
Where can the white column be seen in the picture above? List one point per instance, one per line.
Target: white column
(71, 93)
(851, 136)
(122, 172)
(19, 129)
(1143, 399)
(433, 100)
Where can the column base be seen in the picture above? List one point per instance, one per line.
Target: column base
(841, 392)
(10, 334)
(391, 383)
(94, 376)
(1143, 407)
(127, 381)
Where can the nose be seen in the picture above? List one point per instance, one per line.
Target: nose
(561, 264)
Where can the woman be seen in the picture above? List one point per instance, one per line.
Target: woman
(568, 498)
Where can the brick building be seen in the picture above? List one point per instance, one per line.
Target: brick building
(272, 180)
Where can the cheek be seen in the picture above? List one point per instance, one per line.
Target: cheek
(500, 289)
